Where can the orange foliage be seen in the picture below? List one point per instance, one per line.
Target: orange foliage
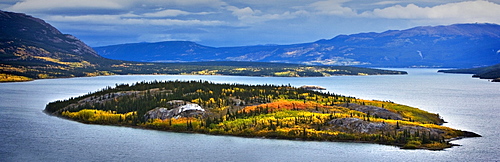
(174, 121)
(285, 105)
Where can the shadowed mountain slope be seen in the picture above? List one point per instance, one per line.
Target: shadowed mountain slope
(459, 45)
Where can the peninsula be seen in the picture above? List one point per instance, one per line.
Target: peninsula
(266, 111)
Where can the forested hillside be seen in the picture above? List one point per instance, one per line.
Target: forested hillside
(488, 72)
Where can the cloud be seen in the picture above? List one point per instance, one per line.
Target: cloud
(204, 3)
(122, 12)
(90, 6)
(243, 13)
(248, 15)
(166, 13)
(167, 37)
(386, 2)
(131, 19)
(332, 7)
(172, 13)
(235, 22)
(468, 11)
(48, 5)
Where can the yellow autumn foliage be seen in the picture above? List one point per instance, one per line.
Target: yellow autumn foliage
(13, 78)
(97, 116)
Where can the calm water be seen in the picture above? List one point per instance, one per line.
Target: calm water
(27, 134)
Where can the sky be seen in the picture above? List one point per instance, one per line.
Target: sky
(225, 23)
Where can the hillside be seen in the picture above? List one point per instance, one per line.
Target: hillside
(31, 49)
(268, 111)
(458, 46)
(489, 72)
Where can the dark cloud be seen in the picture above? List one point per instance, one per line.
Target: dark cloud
(236, 22)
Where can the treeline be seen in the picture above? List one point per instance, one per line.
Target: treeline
(45, 67)
(269, 121)
(144, 96)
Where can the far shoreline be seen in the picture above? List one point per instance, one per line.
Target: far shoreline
(31, 79)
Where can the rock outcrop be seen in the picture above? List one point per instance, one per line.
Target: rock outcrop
(374, 111)
(356, 125)
(185, 110)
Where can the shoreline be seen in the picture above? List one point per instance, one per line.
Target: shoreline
(286, 112)
(401, 146)
(30, 79)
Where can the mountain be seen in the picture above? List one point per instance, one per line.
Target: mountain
(22, 35)
(177, 52)
(489, 72)
(31, 49)
(459, 45)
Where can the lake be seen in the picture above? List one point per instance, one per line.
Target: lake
(28, 134)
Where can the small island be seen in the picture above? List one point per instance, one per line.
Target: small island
(265, 111)
(312, 87)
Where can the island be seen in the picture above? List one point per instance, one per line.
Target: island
(264, 111)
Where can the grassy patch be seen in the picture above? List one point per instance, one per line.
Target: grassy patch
(13, 78)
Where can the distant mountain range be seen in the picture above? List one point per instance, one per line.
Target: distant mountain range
(33, 49)
(30, 49)
(458, 46)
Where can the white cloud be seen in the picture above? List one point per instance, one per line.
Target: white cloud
(45, 5)
(332, 7)
(205, 3)
(386, 2)
(170, 22)
(32, 6)
(248, 15)
(468, 11)
(243, 13)
(121, 12)
(172, 13)
(166, 13)
(130, 19)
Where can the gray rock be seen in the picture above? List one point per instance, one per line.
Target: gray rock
(187, 110)
(374, 111)
(356, 125)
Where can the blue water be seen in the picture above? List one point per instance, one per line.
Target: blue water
(27, 134)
